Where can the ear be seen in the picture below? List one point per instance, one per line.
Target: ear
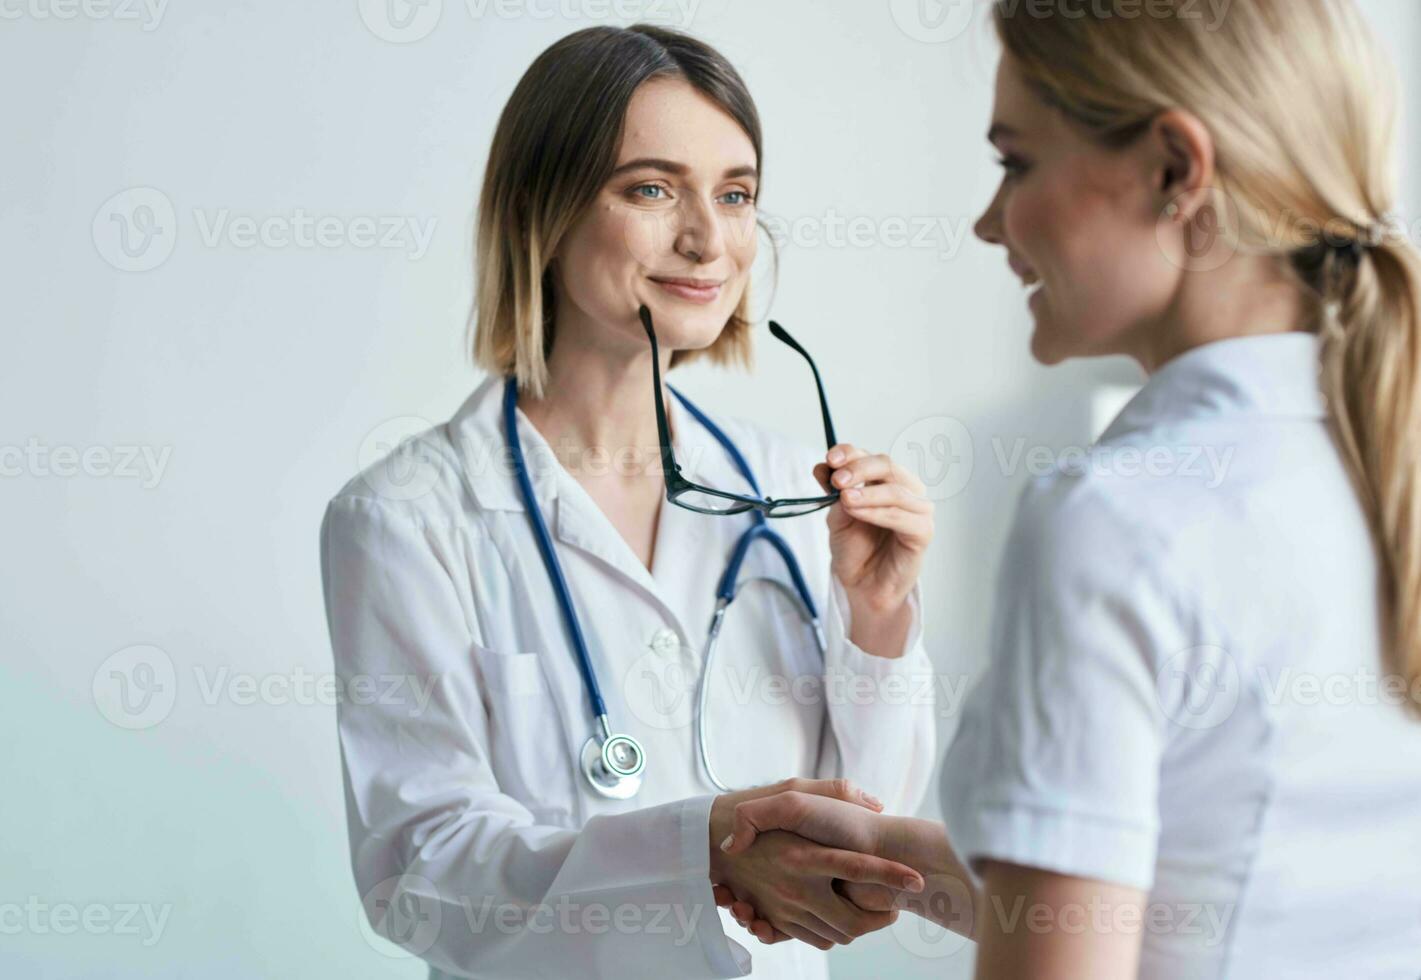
(1181, 152)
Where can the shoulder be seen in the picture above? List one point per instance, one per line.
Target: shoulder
(418, 481)
(434, 474)
(1129, 500)
(1104, 535)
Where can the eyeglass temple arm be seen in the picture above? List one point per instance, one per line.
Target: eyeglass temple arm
(783, 335)
(668, 456)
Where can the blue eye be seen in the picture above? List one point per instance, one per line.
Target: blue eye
(744, 198)
(656, 188)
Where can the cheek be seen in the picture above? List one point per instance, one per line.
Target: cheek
(598, 254)
(1102, 265)
(639, 239)
(618, 238)
(743, 240)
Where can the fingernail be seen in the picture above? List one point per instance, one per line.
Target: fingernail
(870, 799)
(725, 844)
(852, 494)
(836, 457)
(913, 883)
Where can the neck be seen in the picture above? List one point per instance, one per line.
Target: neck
(1247, 296)
(599, 399)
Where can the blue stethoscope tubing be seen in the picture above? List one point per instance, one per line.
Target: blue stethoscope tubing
(614, 763)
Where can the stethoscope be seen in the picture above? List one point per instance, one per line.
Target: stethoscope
(613, 764)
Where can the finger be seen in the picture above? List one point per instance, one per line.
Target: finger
(843, 454)
(787, 809)
(839, 789)
(878, 468)
(848, 918)
(852, 866)
(901, 522)
(782, 811)
(870, 898)
(796, 931)
(884, 495)
(766, 933)
(822, 928)
(744, 912)
(724, 897)
(775, 935)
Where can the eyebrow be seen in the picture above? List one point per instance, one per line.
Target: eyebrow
(679, 169)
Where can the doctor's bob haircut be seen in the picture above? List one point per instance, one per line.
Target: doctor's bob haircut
(554, 148)
(1301, 104)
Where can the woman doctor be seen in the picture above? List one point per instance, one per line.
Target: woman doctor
(549, 810)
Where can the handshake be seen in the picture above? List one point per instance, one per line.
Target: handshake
(818, 861)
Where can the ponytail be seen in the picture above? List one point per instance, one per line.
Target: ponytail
(1371, 365)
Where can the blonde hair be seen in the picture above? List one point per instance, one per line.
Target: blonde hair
(1301, 104)
(555, 146)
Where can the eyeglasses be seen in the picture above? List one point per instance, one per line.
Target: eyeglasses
(708, 500)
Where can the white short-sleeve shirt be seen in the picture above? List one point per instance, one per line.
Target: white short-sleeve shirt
(1186, 692)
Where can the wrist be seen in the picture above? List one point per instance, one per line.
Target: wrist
(877, 604)
(920, 844)
(880, 626)
(720, 825)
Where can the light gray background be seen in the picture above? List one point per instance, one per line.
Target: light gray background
(263, 374)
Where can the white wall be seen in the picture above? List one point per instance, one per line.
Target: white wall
(259, 377)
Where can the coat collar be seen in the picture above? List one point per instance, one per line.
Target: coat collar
(476, 431)
(1271, 375)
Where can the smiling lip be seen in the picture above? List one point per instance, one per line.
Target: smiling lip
(1028, 276)
(695, 290)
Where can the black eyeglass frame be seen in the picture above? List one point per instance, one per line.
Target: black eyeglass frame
(677, 486)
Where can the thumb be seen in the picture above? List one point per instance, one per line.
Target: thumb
(838, 519)
(783, 811)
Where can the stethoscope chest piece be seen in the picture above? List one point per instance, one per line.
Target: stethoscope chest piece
(613, 765)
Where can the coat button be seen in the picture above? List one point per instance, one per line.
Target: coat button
(666, 642)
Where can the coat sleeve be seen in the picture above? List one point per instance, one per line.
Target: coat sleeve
(880, 709)
(447, 865)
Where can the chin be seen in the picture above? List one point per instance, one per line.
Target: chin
(1047, 346)
(684, 326)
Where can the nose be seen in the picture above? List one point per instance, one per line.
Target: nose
(989, 225)
(701, 238)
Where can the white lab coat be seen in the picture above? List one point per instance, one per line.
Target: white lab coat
(469, 809)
